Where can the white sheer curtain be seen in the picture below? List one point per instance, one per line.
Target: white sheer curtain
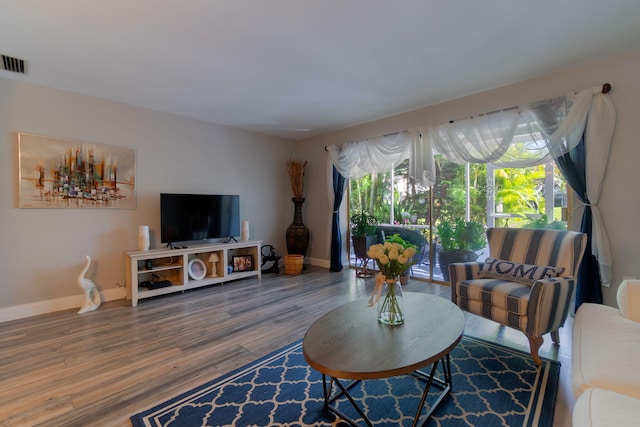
(482, 139)
(422, 166)
(376, 155)
(598, 136)
(526, 136)
(562, 123)
(515, 137)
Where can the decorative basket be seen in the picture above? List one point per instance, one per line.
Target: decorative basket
(293, 264)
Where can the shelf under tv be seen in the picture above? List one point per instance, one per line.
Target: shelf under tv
(173, 265)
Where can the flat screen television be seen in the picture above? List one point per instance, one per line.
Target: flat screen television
(189, 217)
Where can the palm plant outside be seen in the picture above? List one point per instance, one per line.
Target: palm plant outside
(517, 191)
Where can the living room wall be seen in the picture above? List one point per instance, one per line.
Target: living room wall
(43, 249)
(619, 203)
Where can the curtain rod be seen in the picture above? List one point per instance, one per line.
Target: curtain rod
(606, 88)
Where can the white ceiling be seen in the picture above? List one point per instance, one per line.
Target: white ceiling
(299, 68)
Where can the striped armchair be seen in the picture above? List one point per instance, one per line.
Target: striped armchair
(519, 285)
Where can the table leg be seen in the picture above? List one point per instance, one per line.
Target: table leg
(447, 370)
(344, 391)
(430, 378)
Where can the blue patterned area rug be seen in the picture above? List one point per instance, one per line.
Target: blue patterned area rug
(493, 385)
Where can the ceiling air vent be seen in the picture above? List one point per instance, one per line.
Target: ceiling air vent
(15, 65)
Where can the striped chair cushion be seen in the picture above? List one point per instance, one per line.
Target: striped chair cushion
(495, 313)
(509, 296)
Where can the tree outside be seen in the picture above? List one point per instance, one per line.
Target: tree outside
(511, 197)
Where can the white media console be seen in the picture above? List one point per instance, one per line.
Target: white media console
(188, 268)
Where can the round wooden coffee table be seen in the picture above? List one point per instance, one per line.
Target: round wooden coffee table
(349, 343)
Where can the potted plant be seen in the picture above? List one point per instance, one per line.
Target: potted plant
(395, 238)
(363, 232)
(459, 241)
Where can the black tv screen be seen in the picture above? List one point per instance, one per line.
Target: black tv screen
(187, 217)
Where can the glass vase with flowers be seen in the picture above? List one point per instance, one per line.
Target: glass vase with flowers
(392, 258)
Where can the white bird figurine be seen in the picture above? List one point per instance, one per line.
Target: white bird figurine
(92, 299)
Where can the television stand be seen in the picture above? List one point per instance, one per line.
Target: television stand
(189, 267)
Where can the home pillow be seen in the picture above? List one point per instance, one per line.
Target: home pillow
(527, 274)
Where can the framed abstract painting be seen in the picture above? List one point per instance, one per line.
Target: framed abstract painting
(58, 173)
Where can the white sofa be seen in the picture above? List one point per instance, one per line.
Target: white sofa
(605, 368)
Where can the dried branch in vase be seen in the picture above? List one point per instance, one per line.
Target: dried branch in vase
(296, 175)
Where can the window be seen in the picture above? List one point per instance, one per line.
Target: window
(514, 197)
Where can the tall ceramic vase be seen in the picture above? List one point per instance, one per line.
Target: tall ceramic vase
(297, 233)
(143, 238)
(244, 235)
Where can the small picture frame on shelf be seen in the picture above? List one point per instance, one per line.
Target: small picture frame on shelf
(242, 262)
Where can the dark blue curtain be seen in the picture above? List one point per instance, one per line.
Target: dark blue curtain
(572, 165)
(336, 237)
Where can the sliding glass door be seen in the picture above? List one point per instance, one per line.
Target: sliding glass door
(481, 193)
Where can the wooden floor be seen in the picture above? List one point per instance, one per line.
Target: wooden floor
(100, 368)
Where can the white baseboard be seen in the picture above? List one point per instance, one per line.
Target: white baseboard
(76, 301)
(58, 304)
